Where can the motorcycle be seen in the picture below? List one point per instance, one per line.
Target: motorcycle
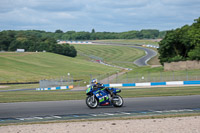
(103, 97)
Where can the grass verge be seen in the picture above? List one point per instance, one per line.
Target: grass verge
(30, 96)
(19, 86)
(161, 91)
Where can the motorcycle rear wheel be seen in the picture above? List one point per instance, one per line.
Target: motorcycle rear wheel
(91, 103)
(117, 101)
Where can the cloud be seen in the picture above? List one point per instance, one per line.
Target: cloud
(103, 15)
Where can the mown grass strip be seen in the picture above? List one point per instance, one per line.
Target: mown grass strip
(26, 67)
(131, 41)
(18, 86)
(116, 55)
(161, 91)
(29, 96)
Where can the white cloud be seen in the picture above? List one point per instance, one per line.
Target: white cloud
(103, 15)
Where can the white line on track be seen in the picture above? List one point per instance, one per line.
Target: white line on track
(56, 116)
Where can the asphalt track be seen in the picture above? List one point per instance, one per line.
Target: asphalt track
(75, 107)
(143, 60)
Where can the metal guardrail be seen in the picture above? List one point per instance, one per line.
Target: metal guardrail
(110, 78)
(55, 82)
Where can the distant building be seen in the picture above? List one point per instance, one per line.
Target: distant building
(73, 42)
(20, 50)
(62, 42)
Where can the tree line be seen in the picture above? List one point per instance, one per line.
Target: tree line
(143, 34)
(181, 44)
(37, 40)
(33, 41)
(83, 35)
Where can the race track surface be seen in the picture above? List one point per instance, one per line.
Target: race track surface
(143, 60)
(48, 108)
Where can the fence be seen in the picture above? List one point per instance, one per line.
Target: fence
(155, 77)
(81, 80)
(137, 77)
(63, 81)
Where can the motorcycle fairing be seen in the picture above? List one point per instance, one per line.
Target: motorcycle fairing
(102, 96)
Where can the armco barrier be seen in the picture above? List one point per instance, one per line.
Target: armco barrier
(168, 83)
(55, 88)
(191, 82)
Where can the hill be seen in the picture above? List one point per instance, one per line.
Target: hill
(30, 66)
(111, 54)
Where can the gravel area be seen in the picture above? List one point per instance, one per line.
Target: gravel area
(166, 125)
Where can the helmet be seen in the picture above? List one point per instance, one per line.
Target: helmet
(94, 81)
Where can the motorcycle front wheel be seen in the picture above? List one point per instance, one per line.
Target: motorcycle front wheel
(91, 102)
(117, 101)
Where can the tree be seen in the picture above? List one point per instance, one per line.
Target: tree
(181, 44)
(34, 41)
(149, 34)
(93, 31)
(194, 34)
(6, 37)
(58, 31)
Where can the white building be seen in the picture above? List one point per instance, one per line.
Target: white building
(20, 50)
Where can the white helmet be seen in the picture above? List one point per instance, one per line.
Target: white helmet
(94, 81)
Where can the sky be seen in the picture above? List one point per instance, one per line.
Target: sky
(102, 15)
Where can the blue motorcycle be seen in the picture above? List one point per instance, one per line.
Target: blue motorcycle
(103, 97)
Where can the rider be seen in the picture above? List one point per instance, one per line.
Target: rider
(95, 85)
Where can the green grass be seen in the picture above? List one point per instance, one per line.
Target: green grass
(116, 55)
(161, 91)
(158, 74)
(32, 67)
(131, 41)
(29, 96)
(19, 86)
(26, 67)
(154, 60)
